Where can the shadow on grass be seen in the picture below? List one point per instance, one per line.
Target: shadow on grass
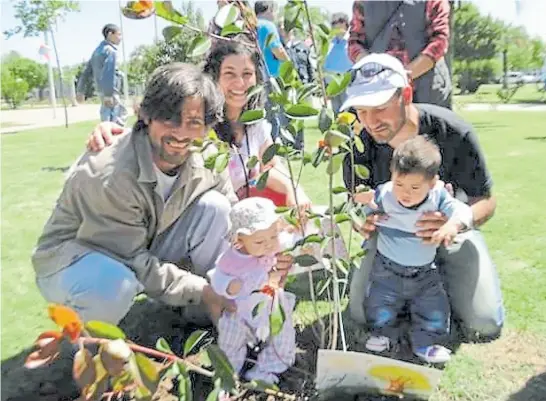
(54, 169)
(536, 138)
(534, 390)
(145, 323)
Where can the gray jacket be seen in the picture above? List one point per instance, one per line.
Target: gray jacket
(102, 71)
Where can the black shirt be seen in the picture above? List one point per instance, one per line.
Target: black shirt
(463, 163)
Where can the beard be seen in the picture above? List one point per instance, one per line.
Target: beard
(160, 151)
(391, 133)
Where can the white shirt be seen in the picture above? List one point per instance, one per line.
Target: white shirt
(258, 134)
(164, 182)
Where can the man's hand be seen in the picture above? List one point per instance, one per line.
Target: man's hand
(428, 224)
(103, 135)
(108, 101)
(446, 234)
(216, 304)
(369, 226)
(234, 286)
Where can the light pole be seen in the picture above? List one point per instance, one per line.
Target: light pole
(52, 99)
(125, 62)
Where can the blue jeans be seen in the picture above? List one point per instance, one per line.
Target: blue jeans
(116, 114)
(393, 286)
(99, 287)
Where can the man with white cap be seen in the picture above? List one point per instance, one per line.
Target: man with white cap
(381, 95)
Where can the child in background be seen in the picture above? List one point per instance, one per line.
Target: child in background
(404, 271)
(246, 273)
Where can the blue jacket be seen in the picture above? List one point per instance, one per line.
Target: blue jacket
(103, 71)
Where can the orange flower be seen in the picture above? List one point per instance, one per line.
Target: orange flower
(321, 143)
(67, 319)
(268, 290)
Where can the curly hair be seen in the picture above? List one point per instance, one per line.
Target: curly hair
(240, 46)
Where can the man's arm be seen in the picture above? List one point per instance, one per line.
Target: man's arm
(108, 77)
(437, 15)
(276, 45)
(357, 35)
(471, 174)
(86, 80)
(115, 222)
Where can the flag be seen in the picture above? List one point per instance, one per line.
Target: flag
(44, 51)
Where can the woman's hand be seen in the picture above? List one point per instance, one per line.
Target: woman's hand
(103, 135)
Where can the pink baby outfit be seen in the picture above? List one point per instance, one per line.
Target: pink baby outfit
(238, 329)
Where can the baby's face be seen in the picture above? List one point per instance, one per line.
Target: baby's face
(411, 189)
(262, 242)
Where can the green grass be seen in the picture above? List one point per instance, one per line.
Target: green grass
(515, 146)
(528, 93)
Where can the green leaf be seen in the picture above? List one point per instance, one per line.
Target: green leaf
(221, 162)
(318, 156)
(326, 117)
(147, 368)
(210, 162)
(306, 90)
(104, 330)
(335, 163)
(305, 260)
(359, 144)
(199, 46)
(227, 15)
(230, 30)
(362, 171)
(171, 32)
(338, 84)
(193, 340)
(185, 392)
(262, 181)
(342, 218)
(282, 209)
(213, 395)
(252, 162)
(311, 239)
(339, 190)
(252, 116)
(287, 73)
(261, 385)
(222, 367)
(324, 28)
(204, 359)
(298, 111)
(335, 138)
(257, 308)
(269, 39)
(163, 346)
(287, 136)
(341, 266)
(323, 286)
(166, 11)
(276, 319)
(269, 153)
(254, 90)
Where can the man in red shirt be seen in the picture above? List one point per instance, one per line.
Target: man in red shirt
(414, 31)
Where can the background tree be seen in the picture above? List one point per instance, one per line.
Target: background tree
(37, 17)
(14, 90)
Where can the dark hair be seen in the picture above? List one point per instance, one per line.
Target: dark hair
(222, 49)
(170, 85)
(108, 28)
(340, 18)
(261, 7)
(417, 156)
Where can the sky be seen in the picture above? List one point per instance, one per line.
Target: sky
(80, 33)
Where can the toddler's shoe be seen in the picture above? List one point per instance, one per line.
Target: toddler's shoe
(433, 354)
(378, 343)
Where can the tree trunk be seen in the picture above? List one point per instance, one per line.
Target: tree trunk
(61, 85)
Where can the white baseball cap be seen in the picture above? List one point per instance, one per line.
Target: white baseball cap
(251, 215)
(376, 77)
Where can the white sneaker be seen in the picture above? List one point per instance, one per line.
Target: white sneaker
(378, 343)
(433, 354)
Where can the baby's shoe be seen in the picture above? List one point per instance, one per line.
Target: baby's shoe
(433, 354)
(378, 343)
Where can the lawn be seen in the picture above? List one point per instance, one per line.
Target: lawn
(528, 93)
(33, 164)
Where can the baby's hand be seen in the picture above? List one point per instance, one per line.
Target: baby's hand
(445, 234)
(234, 287)
(366, 198)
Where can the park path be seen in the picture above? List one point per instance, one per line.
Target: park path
(27, 119)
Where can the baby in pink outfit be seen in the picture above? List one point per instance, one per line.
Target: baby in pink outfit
(244, 273)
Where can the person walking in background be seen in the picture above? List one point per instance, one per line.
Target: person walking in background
(274, 53)
(416, 32)
(103, 70)
(338, 61)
